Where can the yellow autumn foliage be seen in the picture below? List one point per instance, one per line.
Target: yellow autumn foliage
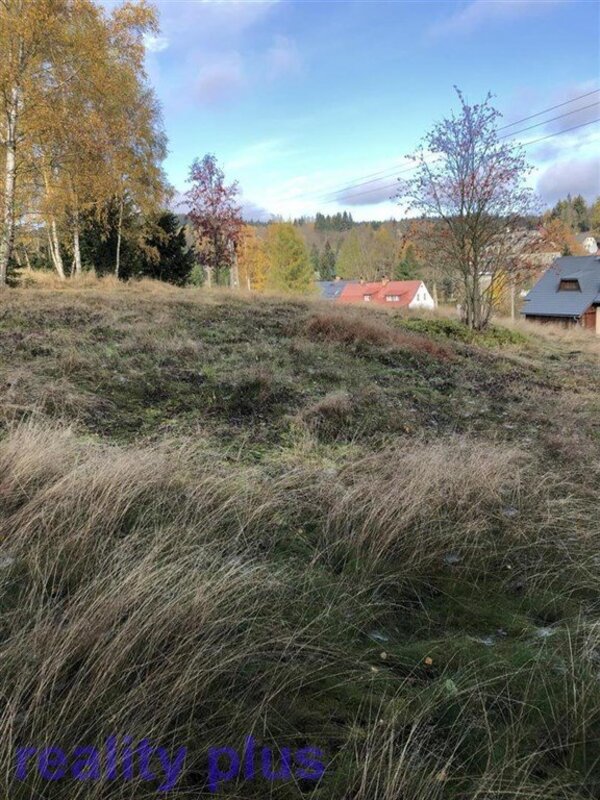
(253, 262)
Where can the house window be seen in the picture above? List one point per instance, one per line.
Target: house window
(392, 298)
(569, 285)
(366, 297)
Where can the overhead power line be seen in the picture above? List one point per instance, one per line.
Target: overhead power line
(393, 185)
(558, 133)
(552, 119)
(363, 180)
(552, 108)
(389, 174)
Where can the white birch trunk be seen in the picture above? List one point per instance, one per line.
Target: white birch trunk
(118, 253)
(10, 177)
(55, 250)
(76, 247)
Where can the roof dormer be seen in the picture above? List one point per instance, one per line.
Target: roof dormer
(569, 285)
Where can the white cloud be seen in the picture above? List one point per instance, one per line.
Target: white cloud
(575, 176)
(559, 141)
(209, 54)
(561, 147)
(563, 102)
(480, 13)
(251, 211)
(155, 44)
(578, 113)
(283, 58)
(305, 194)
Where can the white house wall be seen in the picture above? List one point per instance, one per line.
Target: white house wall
(422, 299)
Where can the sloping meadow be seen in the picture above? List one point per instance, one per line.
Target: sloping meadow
(327, 529)
(415, 613)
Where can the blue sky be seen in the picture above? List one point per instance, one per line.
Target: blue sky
(297, 99)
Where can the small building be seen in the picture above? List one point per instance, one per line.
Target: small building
(588, 242)
(394, 294)
(568, 293)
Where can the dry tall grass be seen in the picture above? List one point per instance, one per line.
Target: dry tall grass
(49, 281)
(555, 334)
(239, 534)
(143, 590)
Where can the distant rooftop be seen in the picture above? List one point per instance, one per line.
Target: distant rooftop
(331, 290)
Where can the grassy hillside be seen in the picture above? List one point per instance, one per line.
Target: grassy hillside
(348, 530)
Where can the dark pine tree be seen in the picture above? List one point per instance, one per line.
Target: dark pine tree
(315, 259)
(408, 267)
(154, 248)
(171, 260)
(327, 268)
(98, 241)
(582, 214)
(347, 221)
(320, 222)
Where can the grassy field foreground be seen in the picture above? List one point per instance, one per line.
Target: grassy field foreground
(373, 535)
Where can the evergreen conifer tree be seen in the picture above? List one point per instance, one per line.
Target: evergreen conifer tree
(327, 265)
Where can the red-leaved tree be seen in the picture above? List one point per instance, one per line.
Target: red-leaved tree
(215, 216)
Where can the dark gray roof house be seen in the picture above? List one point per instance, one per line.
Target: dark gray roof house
(568, 292)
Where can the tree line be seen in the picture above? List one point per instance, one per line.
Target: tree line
(280, 255)
(82, 140)
(82, 146)
(576, 214)
(81, 149)
(334, 222)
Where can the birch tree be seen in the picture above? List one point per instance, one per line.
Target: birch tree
(137, 143)
(81, 128)
(27, 30)
(253, 263)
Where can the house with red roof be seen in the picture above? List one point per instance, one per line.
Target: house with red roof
(395, 294)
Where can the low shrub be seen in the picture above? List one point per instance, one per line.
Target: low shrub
(358, 327)
(440, 327)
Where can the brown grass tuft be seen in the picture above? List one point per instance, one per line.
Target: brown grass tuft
(352, 327)
(413, 503)
(329, 416)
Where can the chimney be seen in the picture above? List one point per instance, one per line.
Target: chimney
(362, 280)
(384, 280)
(337, 278)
